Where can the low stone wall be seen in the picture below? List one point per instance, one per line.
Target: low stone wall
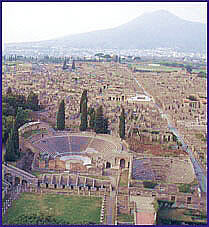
(189, 200)
(103, 210)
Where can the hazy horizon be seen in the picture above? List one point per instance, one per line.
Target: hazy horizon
(31, 22)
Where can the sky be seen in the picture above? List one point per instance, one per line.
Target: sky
(35, 21)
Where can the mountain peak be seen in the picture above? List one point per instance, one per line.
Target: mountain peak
(160, 28)
(161, 14)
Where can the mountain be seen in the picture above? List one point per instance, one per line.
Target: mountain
(150, 30)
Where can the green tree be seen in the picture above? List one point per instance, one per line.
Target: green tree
(188, 68)
(7, 123)
(61, 116)
(202, 74)
(9, 91)
(99, 55)
(20, 117)
(106, 124)
(7, 109)
(90, 110)
(92, 118)
(84, 122)
(137, 59)
(16, 140)
(32, 101)
(20, 120)
(73, 65)
(175, 138)
(107, 56)
(12, 101)
(192, 98)
(122, 124)
(99, 120)
(10, 154)
(116, 58)
(83, 98)
(65, 66)
(21, 101)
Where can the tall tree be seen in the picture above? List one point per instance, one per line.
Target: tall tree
(32, 101)
(106, 131)
(92, 118)
(122, 124)
(7, 123)
(84, 122)
(189, 69)
(83, 98)
(16, 140)
(20, 117)
(65, 66)
(9, 91)
(116, 58)
(20, 120)
(10, 154)
(99, 120)
(73, 65)
(61, 116)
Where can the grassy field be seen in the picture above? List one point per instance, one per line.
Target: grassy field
(97, 177)
(71, 209)
(156, 68)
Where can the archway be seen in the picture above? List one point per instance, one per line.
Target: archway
(8, 177)
(24, 182)
(108, 165)
(17, 180)
(122, 163)
(164, 138)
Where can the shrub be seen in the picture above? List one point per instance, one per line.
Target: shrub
(149, 184)
(185, 188)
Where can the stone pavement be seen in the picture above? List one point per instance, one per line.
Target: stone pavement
(110, 208)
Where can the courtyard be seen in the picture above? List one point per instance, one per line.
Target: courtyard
(64, 209)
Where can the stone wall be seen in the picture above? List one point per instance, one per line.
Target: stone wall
(77, 167)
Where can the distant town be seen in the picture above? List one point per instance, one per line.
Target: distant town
(38, 51)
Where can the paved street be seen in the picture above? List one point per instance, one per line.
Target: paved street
(202, 179)
(110, 208)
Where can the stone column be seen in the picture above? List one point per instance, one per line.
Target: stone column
(85, 182)
(21, 180)
(77, 181)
